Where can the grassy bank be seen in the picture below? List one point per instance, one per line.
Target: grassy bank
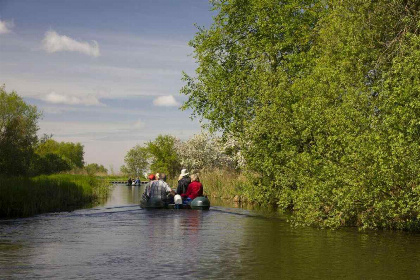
(23, 197)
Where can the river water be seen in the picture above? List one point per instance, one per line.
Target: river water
(118, 240)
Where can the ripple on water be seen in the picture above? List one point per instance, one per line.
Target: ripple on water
(122, 241)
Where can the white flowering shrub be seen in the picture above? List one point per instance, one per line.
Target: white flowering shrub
(204, 151)
(232, 148)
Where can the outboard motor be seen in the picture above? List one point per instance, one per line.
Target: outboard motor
(200, 203)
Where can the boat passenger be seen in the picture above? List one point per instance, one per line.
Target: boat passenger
(195, 189)
(147, 188)
(160, 189)
(129, 182)
(137, 182)
(183, 182)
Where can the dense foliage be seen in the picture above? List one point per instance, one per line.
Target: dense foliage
(168, 154)
(136, 161)
(23, 154)
(204, 151)
(159, 155)
(322, 98)
(164, 155)
(94, 168)
(23, 196)
(71, 153)
(18, 127)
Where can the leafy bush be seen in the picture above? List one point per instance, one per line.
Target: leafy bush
(323, 100)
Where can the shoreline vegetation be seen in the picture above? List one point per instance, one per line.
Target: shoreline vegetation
(311, 106)
(322, 101)
(29, 196)
(32, 168)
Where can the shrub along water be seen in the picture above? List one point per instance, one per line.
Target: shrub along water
(323, 99)
(23, 197)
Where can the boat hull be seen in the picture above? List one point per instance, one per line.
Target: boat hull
(199, 203)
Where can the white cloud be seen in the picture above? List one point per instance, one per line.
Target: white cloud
(53, 42)
(166, 101)
(5, 26)
(56, 98)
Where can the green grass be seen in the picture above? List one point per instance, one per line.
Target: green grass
(222, 184)
(23, 197)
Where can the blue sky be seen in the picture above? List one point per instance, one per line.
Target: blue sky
(104, 73)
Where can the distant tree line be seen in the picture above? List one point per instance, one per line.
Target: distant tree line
(322, 99)
(22, 153)
(169, 155)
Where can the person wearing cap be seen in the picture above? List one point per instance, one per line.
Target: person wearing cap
(147, 188)
(183, 182)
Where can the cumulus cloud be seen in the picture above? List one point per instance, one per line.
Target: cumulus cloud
(6, 26)
(53, 42)
(166, 101)
(56, 98)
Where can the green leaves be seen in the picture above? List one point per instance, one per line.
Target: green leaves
(323, 98)
(72, 153)
(136, 161)
(164, 156)
(18, 127)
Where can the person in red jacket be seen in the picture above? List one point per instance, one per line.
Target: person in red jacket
(195, 188)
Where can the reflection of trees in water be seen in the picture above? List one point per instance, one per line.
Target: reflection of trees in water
(123, 195)
(135, 194)
(272, 249)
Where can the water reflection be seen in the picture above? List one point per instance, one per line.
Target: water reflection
(119, 240)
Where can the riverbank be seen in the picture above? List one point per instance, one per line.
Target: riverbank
(391, 211)
(23, 197)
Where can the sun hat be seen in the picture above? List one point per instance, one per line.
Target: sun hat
(184, 172)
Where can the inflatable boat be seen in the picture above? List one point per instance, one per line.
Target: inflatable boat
(199, 203)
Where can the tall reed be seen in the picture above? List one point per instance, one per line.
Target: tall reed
(23, 197)
(224, 183)
(221, 183)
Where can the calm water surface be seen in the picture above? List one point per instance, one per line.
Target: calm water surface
(118, 240)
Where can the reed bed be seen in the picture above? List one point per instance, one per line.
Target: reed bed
(222, 184)
(23, 197)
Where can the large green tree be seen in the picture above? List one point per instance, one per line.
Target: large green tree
(73, 153)
(18, 127)
(323, 97)
(94, 168)
(164, 155)
(136, 160)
